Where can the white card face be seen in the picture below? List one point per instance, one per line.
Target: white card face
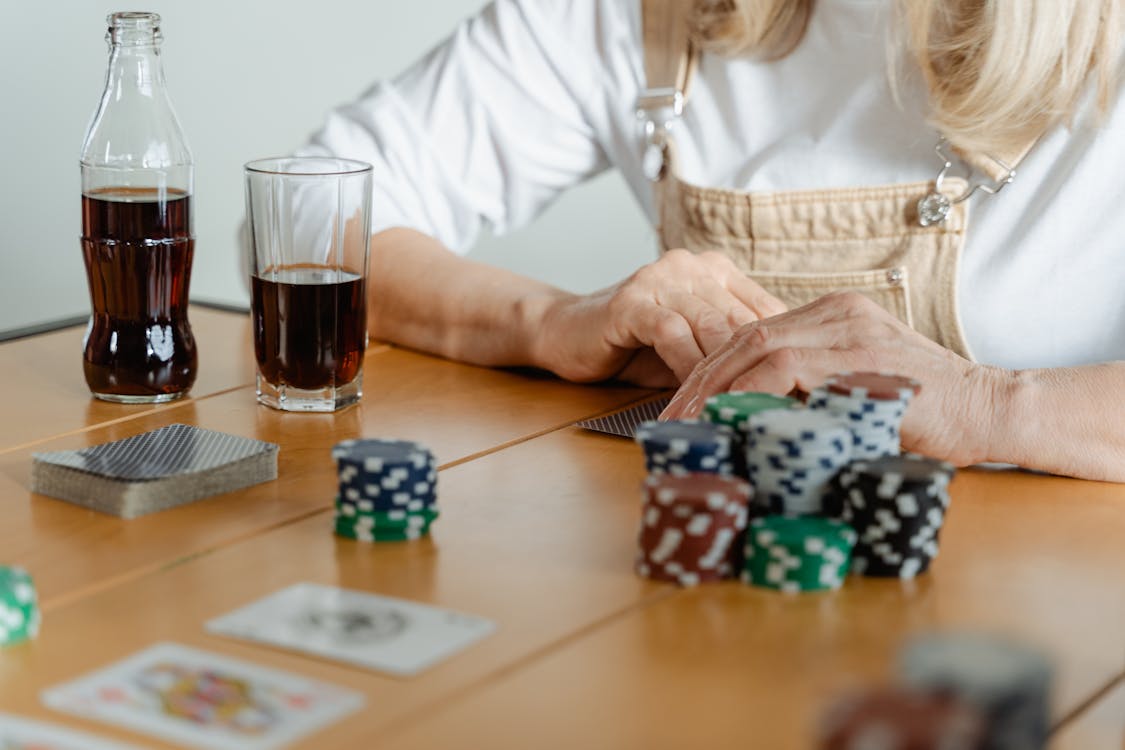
(203, 699)
(17, 733)
(376, 632)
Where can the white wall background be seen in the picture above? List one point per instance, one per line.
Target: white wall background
(248, 79)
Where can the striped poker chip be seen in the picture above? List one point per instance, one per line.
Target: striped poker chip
(1008, 682)
(901, 717)
(19, 606)
(792, 456)
(690, 527)
(872, 404)
(897, 505)
(793, 555)
(683, 447)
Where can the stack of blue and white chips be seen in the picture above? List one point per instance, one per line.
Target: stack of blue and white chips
(873, 405)
(687, 446)
(792, 456)
(388, 490)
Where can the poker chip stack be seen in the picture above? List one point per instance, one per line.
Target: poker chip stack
(388, 490)
(19, 609)
(735, 409)
(797, 554)
(1008, 683)
(686, 447)
(792, 456)
(898, 718)
(873, 405)
(691, 527)
(897, 505)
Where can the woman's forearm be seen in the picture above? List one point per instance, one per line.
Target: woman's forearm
(422, 296)
(1068, 421)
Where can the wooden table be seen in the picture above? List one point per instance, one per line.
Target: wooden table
(537, 533)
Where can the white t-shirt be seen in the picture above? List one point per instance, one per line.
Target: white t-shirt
(534, 96)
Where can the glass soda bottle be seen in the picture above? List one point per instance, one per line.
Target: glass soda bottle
(137, 238)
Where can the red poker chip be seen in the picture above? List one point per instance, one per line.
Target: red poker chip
(881, 386)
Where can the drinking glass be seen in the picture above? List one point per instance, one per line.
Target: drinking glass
(308, 220)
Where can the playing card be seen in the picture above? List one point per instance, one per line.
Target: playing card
(17, 733)
(204, 700)
(377, 632)
(626, 421)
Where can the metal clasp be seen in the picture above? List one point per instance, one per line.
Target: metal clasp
(658, 110)
(934, 208)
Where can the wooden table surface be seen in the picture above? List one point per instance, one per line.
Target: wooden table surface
(537, 533)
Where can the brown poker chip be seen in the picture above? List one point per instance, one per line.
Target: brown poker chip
(881, 386)
(690, 527)
(902, 719)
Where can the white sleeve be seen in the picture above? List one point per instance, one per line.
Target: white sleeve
(487, 129)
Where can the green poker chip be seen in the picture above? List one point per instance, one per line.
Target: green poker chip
(797, 554)
(346, 513)
(735, 409)
(381, 535)
(19, 609)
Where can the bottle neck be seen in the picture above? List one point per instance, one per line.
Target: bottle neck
(135, 68)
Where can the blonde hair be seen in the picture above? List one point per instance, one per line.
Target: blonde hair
(1000, 73)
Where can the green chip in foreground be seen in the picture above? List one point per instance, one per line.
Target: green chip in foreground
(19, 610)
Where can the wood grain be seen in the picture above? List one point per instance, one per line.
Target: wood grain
(47, 394)
(456, 410)
(1033, 558)
(1099, 727)
(537, 537)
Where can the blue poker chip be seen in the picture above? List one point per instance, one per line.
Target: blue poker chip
(377, 453)
(684, 435)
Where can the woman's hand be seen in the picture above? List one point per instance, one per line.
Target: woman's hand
(656, 326)
(951, 419)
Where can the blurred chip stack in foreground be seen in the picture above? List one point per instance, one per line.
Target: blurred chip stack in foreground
(19, 607)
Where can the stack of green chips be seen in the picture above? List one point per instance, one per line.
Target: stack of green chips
(797, 554)
(383, 526)
(19, 612)
(735, 409)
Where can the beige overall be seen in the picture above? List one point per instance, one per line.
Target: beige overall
(800, 245)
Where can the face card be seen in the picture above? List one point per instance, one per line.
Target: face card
(626, 421)
(375, 632)
(17, 733)
(204, 700)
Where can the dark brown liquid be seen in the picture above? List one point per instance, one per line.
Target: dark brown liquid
(138, 252)
(310, 326)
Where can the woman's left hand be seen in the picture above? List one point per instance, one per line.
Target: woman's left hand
(798, 350)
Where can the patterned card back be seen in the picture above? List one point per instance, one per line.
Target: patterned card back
(175, 450)
(626, 421)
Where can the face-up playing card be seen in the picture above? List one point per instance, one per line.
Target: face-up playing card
(626, 421)
(204, 700)
(17, 733)
(376, 632)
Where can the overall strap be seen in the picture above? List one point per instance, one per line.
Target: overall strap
(669, 63)
(668, 53)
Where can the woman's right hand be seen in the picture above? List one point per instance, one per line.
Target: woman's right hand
(654, 327)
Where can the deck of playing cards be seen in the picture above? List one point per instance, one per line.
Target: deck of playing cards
(155, 470)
